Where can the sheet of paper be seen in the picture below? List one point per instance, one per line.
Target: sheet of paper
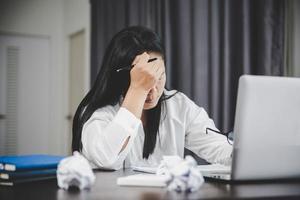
(148, 180)
(150, 170)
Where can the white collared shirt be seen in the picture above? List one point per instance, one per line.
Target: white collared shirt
(104, 134)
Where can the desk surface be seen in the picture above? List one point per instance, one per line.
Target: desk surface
(106, 188)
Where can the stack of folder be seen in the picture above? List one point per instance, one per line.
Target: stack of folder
(27, 168)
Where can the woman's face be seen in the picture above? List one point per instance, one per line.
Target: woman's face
(156, 92)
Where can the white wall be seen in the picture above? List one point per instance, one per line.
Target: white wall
(76, 18)
(56, 19)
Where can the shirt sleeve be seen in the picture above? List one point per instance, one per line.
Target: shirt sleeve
(104, 135)
(212, 147)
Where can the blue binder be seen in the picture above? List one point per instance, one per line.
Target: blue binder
(26, 180)
(29, 162)
(16, 175)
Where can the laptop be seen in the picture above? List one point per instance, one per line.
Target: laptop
(266, 130)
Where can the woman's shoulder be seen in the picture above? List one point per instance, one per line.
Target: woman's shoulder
(106, 112)
(179, 105)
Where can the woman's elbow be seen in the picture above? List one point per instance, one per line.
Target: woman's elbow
(102, 160)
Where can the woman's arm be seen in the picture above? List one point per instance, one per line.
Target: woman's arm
(104, 134)
(143, 77)
(134, 102)
(212, 147)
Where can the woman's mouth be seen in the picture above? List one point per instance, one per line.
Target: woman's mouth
(149, 100)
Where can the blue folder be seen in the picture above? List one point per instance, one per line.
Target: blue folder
(27, 180)
(16, 175)
(29, 162)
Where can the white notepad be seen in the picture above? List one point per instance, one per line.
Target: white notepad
(148, 180)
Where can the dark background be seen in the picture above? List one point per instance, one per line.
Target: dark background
(209, 44)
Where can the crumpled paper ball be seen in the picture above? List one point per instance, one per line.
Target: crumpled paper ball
(75, 171)
(183, 175)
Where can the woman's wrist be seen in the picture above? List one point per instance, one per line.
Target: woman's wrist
(134, 100)
(138, 90)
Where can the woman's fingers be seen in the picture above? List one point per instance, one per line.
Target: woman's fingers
(141, 59)
(145, 75)
(159, 72)
(136, 60)
(156, 68)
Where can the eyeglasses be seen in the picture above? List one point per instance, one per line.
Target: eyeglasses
(129, 67)
(229, 135)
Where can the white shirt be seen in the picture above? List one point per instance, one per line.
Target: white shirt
(104, 134)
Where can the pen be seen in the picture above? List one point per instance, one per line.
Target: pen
(129, 68)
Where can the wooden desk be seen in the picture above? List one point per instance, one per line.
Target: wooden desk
(106, 188)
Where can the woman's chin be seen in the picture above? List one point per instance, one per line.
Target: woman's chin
(150, 105)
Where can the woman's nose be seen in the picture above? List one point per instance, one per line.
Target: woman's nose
(152, 90)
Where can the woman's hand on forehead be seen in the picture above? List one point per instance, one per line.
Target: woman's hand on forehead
(144, 74)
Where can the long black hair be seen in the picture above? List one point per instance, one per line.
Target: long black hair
(110, 86)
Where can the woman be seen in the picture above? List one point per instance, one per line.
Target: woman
(129, 119)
